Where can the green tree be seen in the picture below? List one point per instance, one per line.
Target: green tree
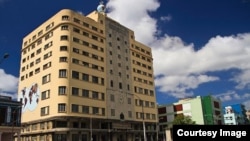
(183, 120)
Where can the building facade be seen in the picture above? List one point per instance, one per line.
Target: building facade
(199, 109)
(10, 118)
(212, 110)
(189, 107)
(235, 115)
(86, 78)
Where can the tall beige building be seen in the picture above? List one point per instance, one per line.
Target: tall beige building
(86, 78)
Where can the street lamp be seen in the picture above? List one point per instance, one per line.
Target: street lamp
(91, 128)
(143, 120)
(17, 121)
(6, 55)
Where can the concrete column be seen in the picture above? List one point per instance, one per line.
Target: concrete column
(168, 135)
(18, 136)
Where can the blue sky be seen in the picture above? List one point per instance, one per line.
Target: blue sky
(200, 47)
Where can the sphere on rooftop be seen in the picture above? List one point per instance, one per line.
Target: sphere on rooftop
(101, 8)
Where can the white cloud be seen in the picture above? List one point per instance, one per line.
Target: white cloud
(232, 95)
(166, 18)
(8, 85)
(135, 15)
(177, 85)
(247, 104)
(243, 79)
(177, 66)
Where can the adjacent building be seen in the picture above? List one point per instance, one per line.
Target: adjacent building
(201, 109)
(248, 115)
(212, 110)
(86, 78)
(235, 115)
(10, 118)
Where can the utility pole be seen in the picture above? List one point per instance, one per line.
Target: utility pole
(143, 119)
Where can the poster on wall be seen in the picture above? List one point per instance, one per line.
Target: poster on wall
(29, 96)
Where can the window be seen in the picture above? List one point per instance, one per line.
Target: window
(85, 43)
(94, 28)
(45, 94)
(48, 35)
(95, 110)
(130, 114)
(120, 85)
(95, 67)
(40, 33)
(103, 111)
(75, 91)
(31, 64)
(85, 24)
(38, 60)
(34, 37)
(64, 27)
(31, 74)
(152, 104)
(103, 96)
(74, 108)
(129, 100)
(64, 37)
(62, 73)
(47, 55)
(37, 70)
(75, 61)
(85, 93)
(95, 95)
(216, 104)
(153, 116)
(85, 109)
(76, 30)
(49, 26)
(111, 83)
(75, 74)
(95, 79)
(95, 47)
(85, 77)
(151, 92)
(65, 18)
(76, 20)
(76, 40)
(32, 55)
(44, 111)
(63, 59)
(63, 48)
(86, 64)
(62, 90)
(94, 37)
(39, 42)
(46, 65)
(75, 50)
(94, 56)
(112, 98)
(38, 51)
(61, 107)
(46, 79)
(178, 107)
(85, 34)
